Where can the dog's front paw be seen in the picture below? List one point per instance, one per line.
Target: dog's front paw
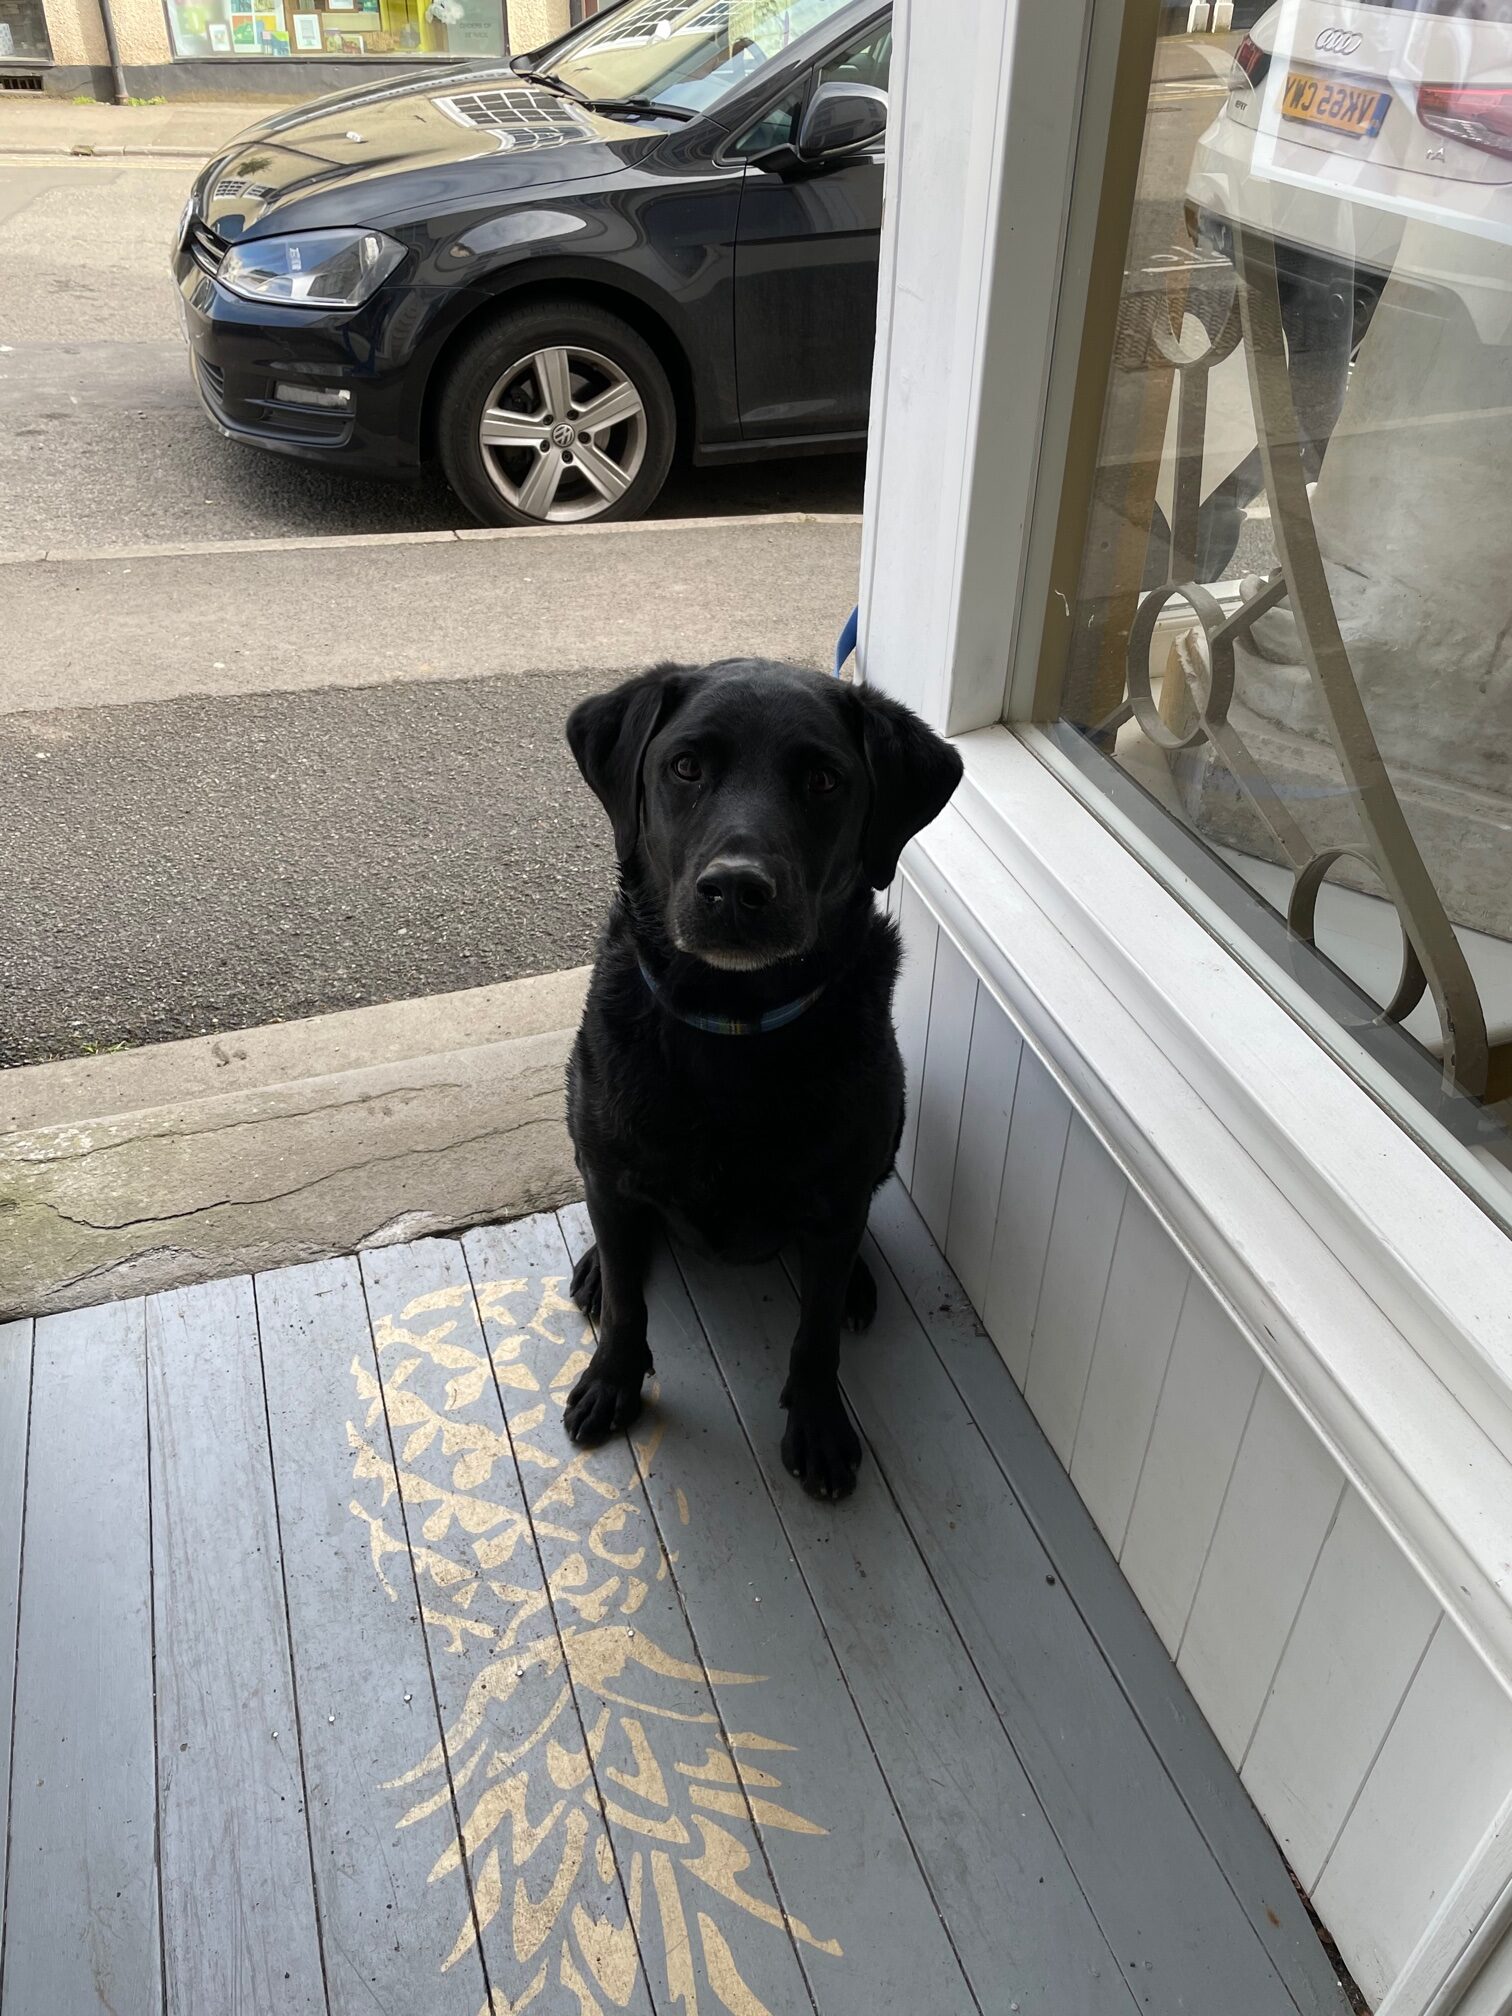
(820, 1447)
(600, 1406)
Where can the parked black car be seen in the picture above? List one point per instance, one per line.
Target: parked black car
(661, 230)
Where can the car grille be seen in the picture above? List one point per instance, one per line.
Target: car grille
(206, 250)
(213, 375)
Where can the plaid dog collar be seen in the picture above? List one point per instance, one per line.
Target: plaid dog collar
(733, 1025)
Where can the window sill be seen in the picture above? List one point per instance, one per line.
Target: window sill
(1376, 1290)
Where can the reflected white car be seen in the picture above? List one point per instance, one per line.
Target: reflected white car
(1375, 138)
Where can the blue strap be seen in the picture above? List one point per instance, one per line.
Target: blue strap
(848, 639)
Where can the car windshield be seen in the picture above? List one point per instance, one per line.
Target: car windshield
(680, 53)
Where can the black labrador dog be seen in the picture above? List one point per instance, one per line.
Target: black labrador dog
(736, 1079)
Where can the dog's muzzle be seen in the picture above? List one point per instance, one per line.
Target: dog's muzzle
(735, 915)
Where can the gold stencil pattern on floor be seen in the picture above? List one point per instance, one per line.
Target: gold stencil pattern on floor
(605, 1812)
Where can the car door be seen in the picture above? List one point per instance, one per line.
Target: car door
(806, 268)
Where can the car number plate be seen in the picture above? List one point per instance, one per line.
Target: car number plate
(1356, 110)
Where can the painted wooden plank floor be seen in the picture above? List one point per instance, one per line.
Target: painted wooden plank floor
(333, 1679)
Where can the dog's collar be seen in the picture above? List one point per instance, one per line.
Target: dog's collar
(733, 1025)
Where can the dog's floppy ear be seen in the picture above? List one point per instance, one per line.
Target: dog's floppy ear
(913, 772)
(608, 736)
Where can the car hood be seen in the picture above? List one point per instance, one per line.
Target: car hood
(380, 151)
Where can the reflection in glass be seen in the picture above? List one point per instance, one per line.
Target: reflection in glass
(1294, 622)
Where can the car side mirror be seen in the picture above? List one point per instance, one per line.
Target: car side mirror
(840, 119)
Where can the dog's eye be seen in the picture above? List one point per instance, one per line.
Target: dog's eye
(686, 767)
(822, 781)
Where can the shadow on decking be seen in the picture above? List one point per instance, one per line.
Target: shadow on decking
(344, 1683)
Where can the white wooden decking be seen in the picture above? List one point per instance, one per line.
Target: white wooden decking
(343, 1683)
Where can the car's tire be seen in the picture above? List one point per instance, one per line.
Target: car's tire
(529, 464)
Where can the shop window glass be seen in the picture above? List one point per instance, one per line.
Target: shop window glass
(23, 29)
(337, 27)
(1288, 655)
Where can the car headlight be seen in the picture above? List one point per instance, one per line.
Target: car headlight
(311, 269)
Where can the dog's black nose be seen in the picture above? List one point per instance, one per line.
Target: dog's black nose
(733, 885)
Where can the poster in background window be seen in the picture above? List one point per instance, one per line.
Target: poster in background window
(480, 32)
(194, 34)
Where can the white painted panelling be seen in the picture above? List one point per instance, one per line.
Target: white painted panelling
(1490, 1993)
(911, 1010)
(1490, 1988)
(951, 1008)
(1087, 1211)
(1026, 1210)
(1435, 1788)
(1146, 1288)
(1284, 1492)
(1294, 1616)
(1467, 1941)
(1209, 1384)
(1359, 1635)
(991, 1076)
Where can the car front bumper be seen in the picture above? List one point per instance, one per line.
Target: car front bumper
(245, 355)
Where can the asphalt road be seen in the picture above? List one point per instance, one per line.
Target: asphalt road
(182, 866)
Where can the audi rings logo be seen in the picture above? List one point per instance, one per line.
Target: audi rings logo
(1338, 42)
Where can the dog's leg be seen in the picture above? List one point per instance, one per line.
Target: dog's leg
(607, 1397)
(860, 1297)
(587, 1285)
(819, 1446)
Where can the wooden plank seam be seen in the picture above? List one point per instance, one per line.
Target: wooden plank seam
(574, 1242)
(845, 1678)
(15, 1421)
(295, 1703)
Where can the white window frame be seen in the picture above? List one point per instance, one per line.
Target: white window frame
(1376, 1289)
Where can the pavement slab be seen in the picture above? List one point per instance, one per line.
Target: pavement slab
(38, 124)
(298, 615)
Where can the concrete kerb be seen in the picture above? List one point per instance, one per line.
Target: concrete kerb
(128, 1174)
(46, 126)
(87, 152)
(189, 549)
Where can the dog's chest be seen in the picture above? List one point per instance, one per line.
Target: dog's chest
(740, 1143)
(740, 1176)
(729, 1181)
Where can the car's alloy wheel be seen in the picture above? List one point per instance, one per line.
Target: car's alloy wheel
(557, 414)
(563, 434)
